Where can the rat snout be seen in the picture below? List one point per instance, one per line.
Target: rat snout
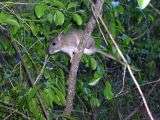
(52, 51)
(49, 51)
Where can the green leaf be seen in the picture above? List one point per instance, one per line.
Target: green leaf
(33, 28)
(94, 82)
(120, 10)
(94, 102)
(108, 91)
(72, 5)
(59, 18)
(57, 3)
(31, 93)
(50, 18)
(8, 19)
(96, 78)
(12, 22)
(143, 3)
(89, 61)
(40, 10)
(77, 18)
(126, 40)
(93, 63)
(60, 96)
(33, 107)
(48, 96)
(3, 17)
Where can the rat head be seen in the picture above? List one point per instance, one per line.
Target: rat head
(55, 45)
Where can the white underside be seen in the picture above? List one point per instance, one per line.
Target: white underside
(71, 50)
(89, 51)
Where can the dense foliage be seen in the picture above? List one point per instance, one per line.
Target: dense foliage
(99, 93)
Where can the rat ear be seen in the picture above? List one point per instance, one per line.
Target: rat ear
(60, 36)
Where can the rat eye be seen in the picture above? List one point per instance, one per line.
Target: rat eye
(53, 43)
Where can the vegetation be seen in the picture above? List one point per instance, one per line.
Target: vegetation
(34, 86)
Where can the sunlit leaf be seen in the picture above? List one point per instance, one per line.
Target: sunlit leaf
(93, 63)
(7, 19)
(96, 78)
(57, 3)
(94, 102)
(143, 3)
(48, 96)
(59, 18)
(72, 5)
(50, 18)
(33, 107)
(108, 91)
(12, 22)
(77, 18)
(40, 10)
(60, 96)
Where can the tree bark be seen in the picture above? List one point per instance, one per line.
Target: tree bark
(97, 6)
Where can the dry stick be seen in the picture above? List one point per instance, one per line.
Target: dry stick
(42, 70)
(137, 108)
(124, 75)
(30, 81)
(129, 69)
(76, 59)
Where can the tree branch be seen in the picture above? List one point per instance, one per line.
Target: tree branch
(76, 58)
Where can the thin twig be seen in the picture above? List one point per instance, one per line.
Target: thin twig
(8, 116)
(18, 3)
(124, 75)
(42, 70)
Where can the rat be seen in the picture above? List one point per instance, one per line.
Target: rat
(69, 42)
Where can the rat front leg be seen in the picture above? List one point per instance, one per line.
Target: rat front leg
(72, 53)
(71, 56)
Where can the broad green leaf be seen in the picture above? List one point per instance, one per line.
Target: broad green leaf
(60, 96)
(77, 18)
(57, 3)
(59, 18)
(143, 3)
(3, 17)
(94, 102)
(94, 81)
(87, 91)
(48, 96)
(72, 5)
(12, 22)
(93, 63)
(126, 40)
(33, 28)
(31, 93)
(121, 10)
(50, 18)
(96, 77)
(33, 107)
(108, 91)
(7, 19)
(40, 10)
